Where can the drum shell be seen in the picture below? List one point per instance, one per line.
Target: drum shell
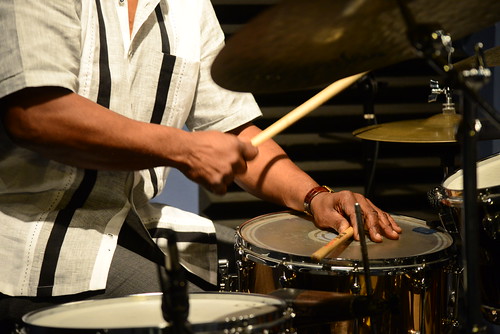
(419, 284)
(222, 313)
(488, 220)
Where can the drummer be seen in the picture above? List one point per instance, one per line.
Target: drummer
(94, 95)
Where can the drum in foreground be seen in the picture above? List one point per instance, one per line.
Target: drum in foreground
(274, 252)
(209, 313)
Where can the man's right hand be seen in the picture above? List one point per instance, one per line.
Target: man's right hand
(213, 159)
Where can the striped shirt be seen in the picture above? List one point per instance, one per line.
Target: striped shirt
(59, 224)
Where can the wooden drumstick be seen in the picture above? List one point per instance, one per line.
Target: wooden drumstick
(334, 243)
(305, 108)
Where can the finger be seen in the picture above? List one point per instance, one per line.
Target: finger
(218, 185)
(394, 224)
(218, 189)
(371, 218)
(387, 222)
(345, 214)
(378, 223)
(349, 210)
(354, 222)
(343, 225)
(239, 167)
(388, 229)
(379, 226)
(248, 151)
(332, 220)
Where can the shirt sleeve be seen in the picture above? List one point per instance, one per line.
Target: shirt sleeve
(40, 44)
(214, 107)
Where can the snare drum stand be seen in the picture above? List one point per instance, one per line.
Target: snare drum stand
(432, 44)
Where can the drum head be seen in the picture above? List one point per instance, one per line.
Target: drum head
(488, 175)
(293, 236)
(208, 311)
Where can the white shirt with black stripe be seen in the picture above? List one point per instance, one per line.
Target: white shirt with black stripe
(60, 224)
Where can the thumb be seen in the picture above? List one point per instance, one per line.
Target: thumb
(249, 151)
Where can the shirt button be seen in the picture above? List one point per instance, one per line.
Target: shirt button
(122, 2)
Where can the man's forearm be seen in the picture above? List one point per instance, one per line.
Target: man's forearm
(273, 176)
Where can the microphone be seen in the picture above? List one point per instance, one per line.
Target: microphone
(436, 197)
(175, 299)
(313, 306)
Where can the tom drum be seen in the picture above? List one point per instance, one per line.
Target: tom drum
(208, 313)
(274, 252)
(488, 209)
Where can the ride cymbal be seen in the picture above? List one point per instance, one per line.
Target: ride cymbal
(440, 128)
(299, 44)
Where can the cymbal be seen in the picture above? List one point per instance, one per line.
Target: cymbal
(299, 44)
(491, 58)
(440, 128)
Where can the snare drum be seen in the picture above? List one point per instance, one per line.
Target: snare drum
(208, 313)
(274, 252)
(488, 208)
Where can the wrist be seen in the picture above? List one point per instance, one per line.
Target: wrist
(313, 193)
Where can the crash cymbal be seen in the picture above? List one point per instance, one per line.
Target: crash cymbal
(491, 58)
(440, 128)
(299, 44)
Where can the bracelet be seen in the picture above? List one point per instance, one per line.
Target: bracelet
(311, 194)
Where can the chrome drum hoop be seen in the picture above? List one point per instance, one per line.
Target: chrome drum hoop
(300, 261)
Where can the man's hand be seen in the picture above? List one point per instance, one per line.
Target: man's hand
(336, 210)
(215, 158)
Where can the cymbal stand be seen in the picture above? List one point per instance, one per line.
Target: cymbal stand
(470, 227)
(448, 157)
(431, 43)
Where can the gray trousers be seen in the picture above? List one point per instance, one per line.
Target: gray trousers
(134, 269)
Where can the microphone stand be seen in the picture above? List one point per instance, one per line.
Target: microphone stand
(368, 87)
(427, 40)
(364, 255)
(175, 298)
